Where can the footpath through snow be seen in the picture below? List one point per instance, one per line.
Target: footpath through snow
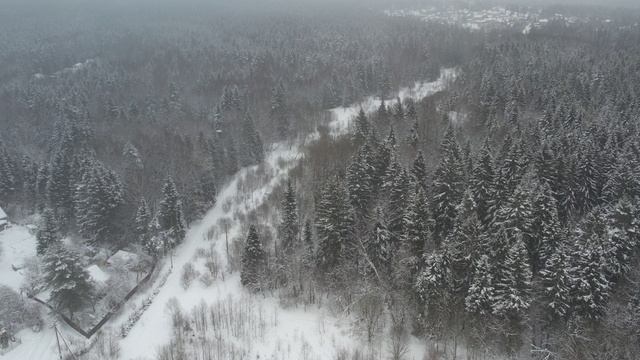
(154, 328)
(293, 333)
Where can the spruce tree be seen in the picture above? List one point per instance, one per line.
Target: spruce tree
(396, 187)
(465, 242)
(252, 148)
(591, 290)
(59, 186)
(253, 261)
(513, 285)
(205, 193)
(308, 247)
(333, 227)
(379, 246)
(47, 232)
(398, 111)
(361, 133)
(417, 226)
(447, 187)
(480, 296)
(279, 110)
(288, 222)
(419, 171)
(98, 197)
(170, 217)
(556, 283)
(414, 135)
(142, 224)
(483, 185)
(70, 284)
(545, 228)
(360, 176)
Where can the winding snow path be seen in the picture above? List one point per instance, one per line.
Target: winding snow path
(154, 328)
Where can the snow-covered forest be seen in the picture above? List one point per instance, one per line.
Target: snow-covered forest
(317, 179)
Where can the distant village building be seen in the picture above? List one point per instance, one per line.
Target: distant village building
(4, 220)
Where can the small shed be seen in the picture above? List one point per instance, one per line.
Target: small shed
(4, 220)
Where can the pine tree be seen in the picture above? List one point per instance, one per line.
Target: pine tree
(205, 193)
(434, 286)
(8, 174)
(253, 261)
(308, 247)
(481, 293)
(142, 224)
(333, 227)
(379, 246)
(417, 225)
(170, 217)
(591, 289)
(516, 218)
(279, 110)
(252, 148)
(396, 186)
(556, 282)
(361, 133)
(545, 228)
(546, 168)
(414, 135)
(447, 187)
(97, 198)
(621, 237)
(513, 286)
(289, 222)
(419, 171)
(589, 181)
(465, 242)
(623, 180)
(483, 185)
(382, 111)
(70, 284)
(411, 110)
(47, 232)
(360, 180)
(381, 162)
(511, 171)
(42, 179)
(59, 187)
(398, 111)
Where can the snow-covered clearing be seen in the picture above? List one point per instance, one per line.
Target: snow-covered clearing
(283, 333)
(16, 244)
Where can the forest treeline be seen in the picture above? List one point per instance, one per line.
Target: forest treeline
(516, 233)
(500, 214)
(188, 102)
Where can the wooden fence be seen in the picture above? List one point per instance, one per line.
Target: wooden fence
(113, 311)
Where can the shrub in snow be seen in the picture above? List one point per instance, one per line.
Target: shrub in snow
(211, 263)
(200, 253)
(15, 312)
(137, 313)
(32, 270)
(189, 273)
(107, 346)
(206, 279)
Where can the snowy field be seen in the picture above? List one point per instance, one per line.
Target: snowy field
(16, 244)
(256, 326)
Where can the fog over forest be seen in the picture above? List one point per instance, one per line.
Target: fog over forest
(319, 179)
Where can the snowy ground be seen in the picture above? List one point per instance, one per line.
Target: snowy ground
(16, 244)
(292, 333)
